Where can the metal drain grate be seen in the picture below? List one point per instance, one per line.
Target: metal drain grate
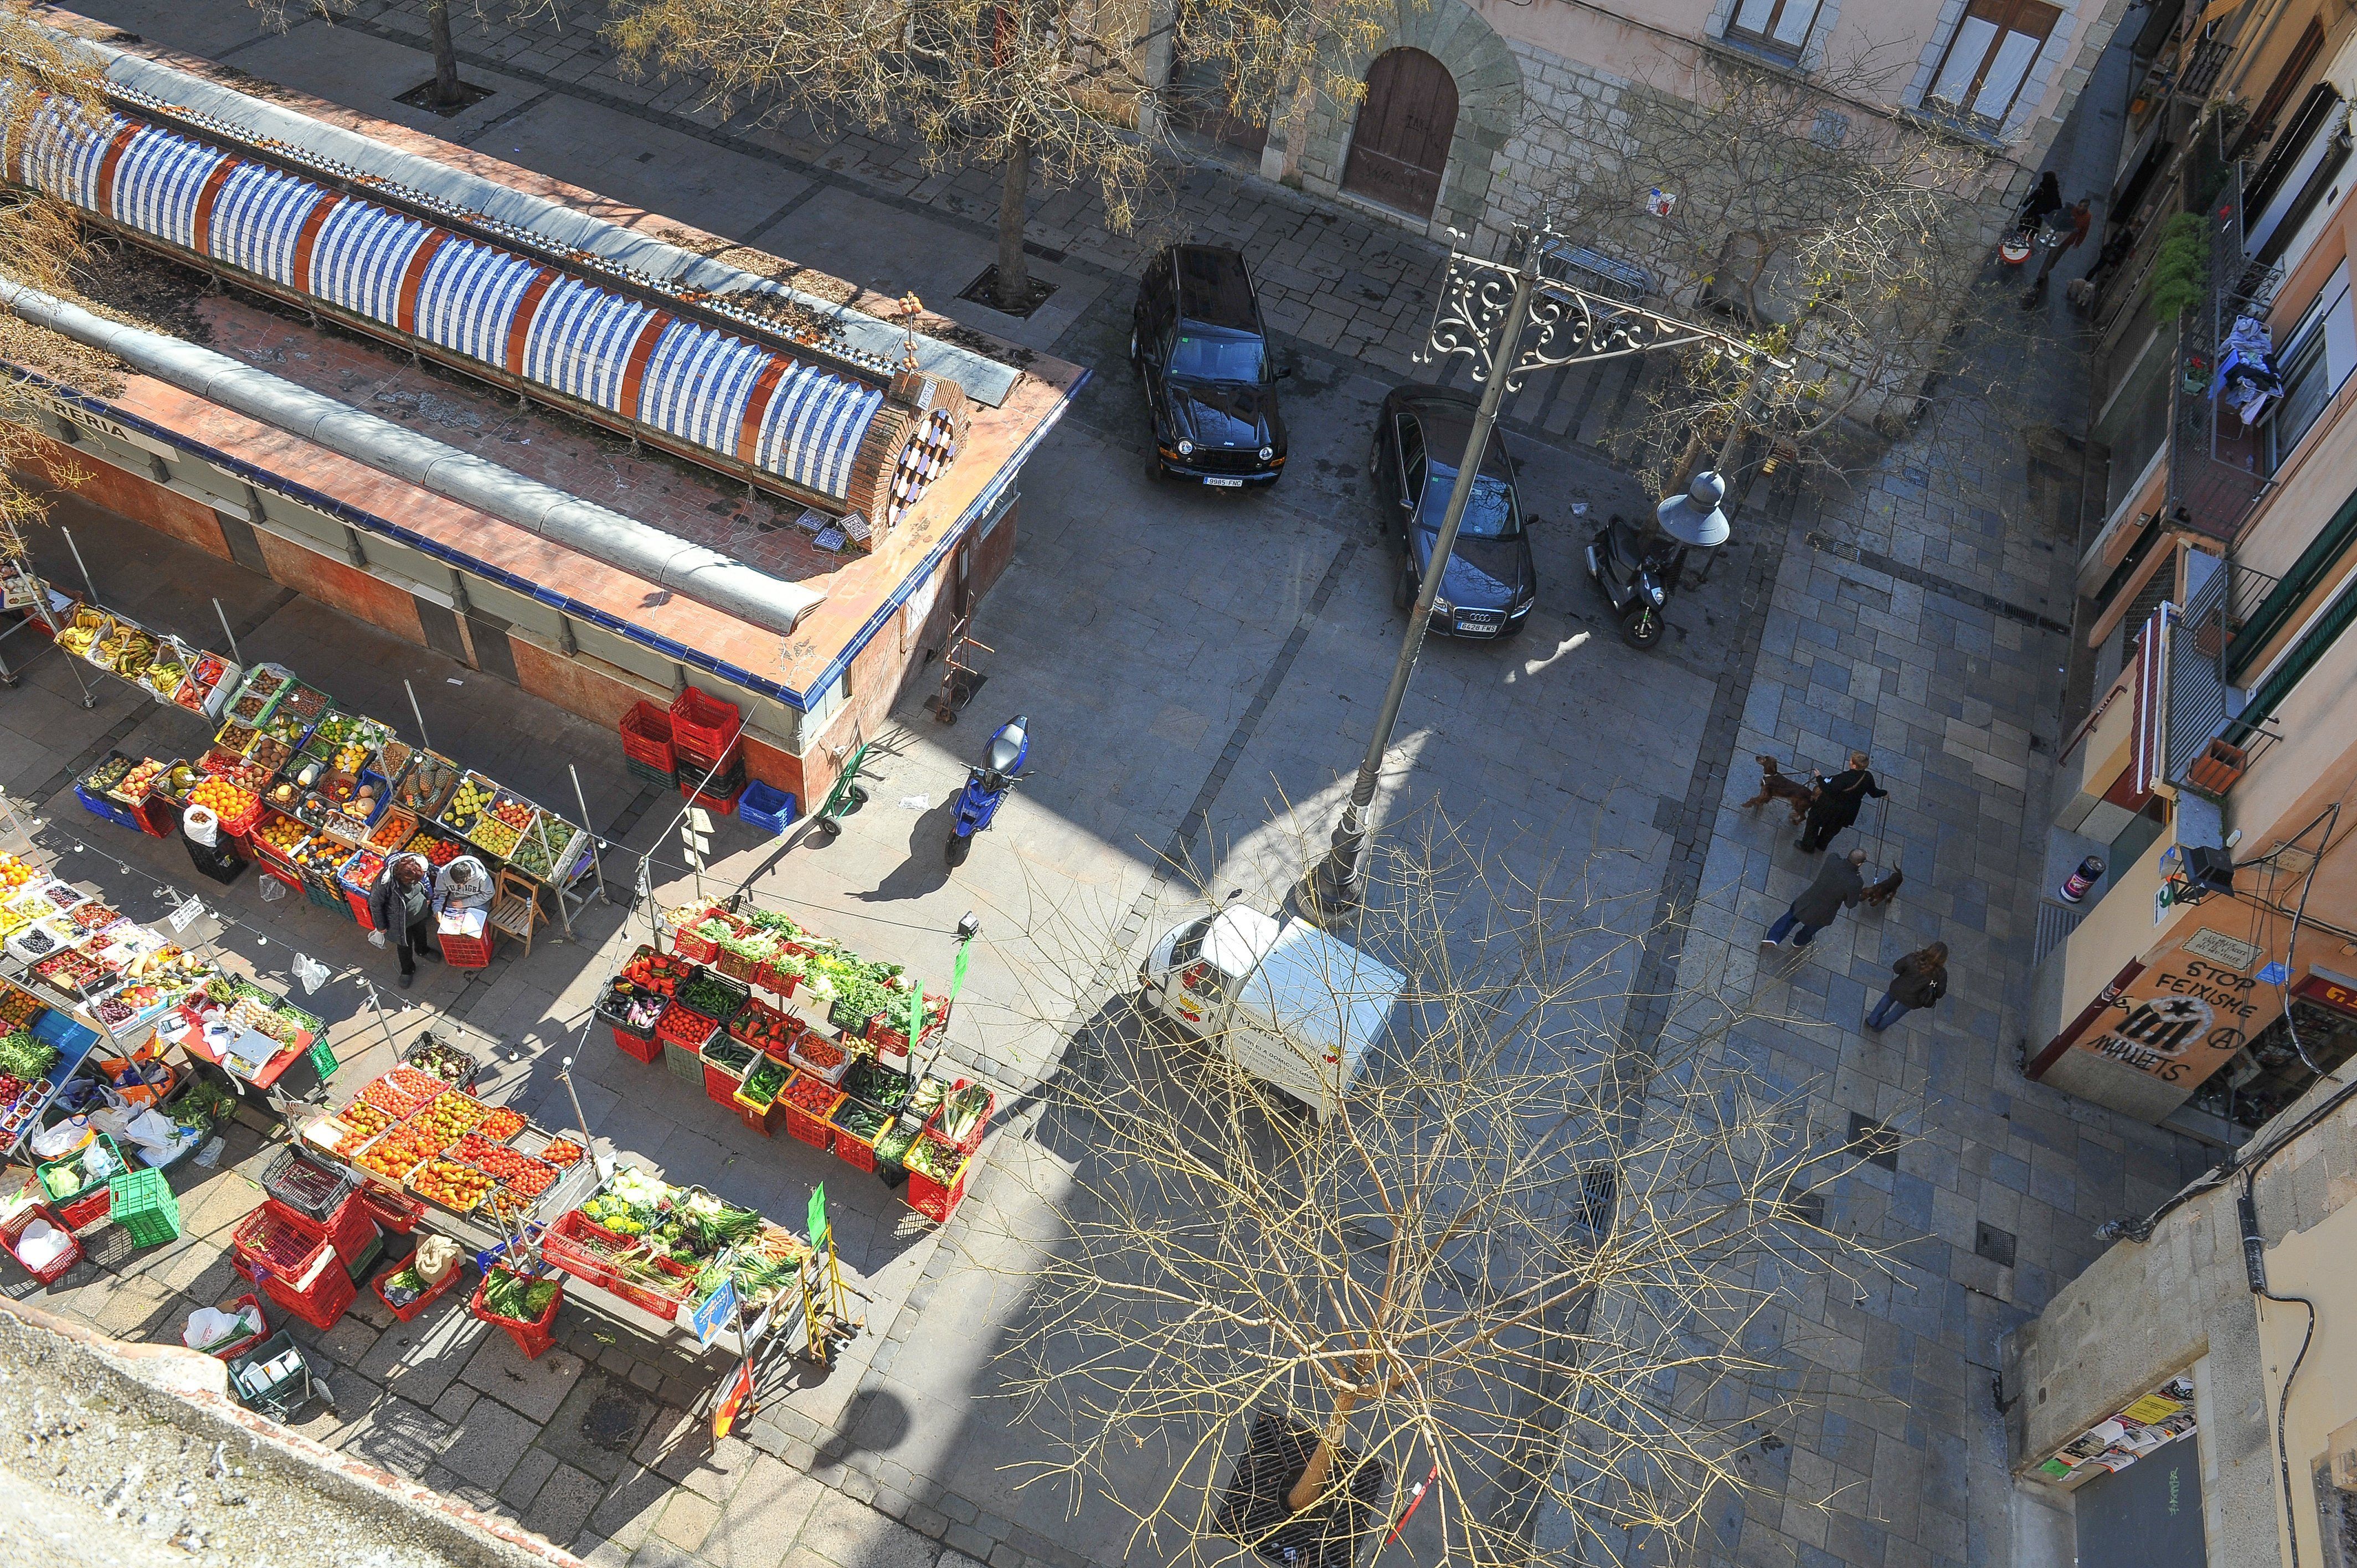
(2055, 924)
(1994, 1244)
(1873, 1142)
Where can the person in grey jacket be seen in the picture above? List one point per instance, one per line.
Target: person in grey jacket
(1836, 888)
(1916, 981)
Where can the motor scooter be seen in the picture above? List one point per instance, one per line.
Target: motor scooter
(987, 785)
(1638, 567)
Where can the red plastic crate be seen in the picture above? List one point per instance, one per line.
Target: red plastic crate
(87, 1211)
(698, 949)
(236, 1347)
(433, 1294)
(157, 817)
(324, 1305)
(647, 736)
(973, 1139)
(468, 953)
(638, 1047)
(818, 1131)
(57, 1270)
(390, 1211)
(283, 1244)
(719, 1086)
(352, 1228)
(359, 901)
(686, 1027)
(930, 1199)
(705, 726)
(533, 1338)
(762, 1122)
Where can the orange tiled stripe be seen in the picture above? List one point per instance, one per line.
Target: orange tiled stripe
(757, 408)
(200, 236)
(114, 150)
(520, 326)
(641, 353)
(412, 278)
(308, 239)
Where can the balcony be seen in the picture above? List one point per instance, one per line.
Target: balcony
(2215, 465)
(2201, 702)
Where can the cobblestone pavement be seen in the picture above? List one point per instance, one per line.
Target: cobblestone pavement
(1206, 678)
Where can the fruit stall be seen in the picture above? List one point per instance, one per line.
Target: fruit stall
(318, 796)
(427, 1157)
(120, 1049)
(787, 1029)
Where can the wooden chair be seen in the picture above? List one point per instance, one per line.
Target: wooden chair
(515, 907)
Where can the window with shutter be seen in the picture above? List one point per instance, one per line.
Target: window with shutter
(1988, 60)
(1781, 25)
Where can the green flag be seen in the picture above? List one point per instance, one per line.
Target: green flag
(957, 971)
(818, 1216)
(916, 1011)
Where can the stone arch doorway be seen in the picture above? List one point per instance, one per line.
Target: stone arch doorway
(1399, 147)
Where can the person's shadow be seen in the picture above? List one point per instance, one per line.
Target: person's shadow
(927, 868)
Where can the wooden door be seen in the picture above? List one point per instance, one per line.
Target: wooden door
(1400, 147)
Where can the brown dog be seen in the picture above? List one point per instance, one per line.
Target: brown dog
(1775, 784)
(1880, 893)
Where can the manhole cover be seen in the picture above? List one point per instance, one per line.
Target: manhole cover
(613, 1420)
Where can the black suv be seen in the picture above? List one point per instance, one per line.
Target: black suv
(1489, 582)
(1196, 338)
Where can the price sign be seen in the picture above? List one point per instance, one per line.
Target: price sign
(181, 918)
(719, 1308)
(322, 1058)
(695, 835)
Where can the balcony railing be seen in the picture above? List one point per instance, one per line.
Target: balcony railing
(2202, 701)
(2215, 465)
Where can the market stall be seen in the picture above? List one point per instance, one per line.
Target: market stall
(784, 1027)
(320, 797)
(427, 1157)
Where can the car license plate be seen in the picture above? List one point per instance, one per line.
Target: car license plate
(1223, 484)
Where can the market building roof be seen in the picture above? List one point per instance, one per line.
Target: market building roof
(692, 496)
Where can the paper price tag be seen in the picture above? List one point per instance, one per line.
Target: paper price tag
(181, 918)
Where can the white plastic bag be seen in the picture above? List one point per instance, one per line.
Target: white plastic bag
(154, 1134)
(311, 973)
(204, 827)
(272, 890)
(63, 1139)
(209, 1326)
(376, 938)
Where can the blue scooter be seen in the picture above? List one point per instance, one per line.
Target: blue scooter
(987, 785)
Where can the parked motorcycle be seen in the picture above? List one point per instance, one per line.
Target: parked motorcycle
(988, 785)
(1638, 567)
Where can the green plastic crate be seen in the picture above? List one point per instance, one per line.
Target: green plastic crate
(143, 1204)
(684, 1064)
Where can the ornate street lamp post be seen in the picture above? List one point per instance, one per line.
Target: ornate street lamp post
(1565, 326)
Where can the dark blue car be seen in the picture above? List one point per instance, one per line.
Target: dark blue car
(1489, 582)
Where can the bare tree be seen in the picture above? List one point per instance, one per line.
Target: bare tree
(1519, 1251)
(445, 90)
(1049, 91)
(1845, 240)
(40, 245)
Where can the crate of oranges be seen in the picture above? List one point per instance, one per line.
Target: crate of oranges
(397, 1152)
(237, 807)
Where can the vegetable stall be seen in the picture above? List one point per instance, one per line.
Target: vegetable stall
(785, 1027)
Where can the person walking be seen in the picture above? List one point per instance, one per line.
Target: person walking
(1840, 800)
(2046, 197)
(1916, 981)
(1836, 888)
(400, 907)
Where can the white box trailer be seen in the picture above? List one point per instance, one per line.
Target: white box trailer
(1285, 1002)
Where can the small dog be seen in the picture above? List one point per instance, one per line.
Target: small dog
(1775, 784)
(1880, 893)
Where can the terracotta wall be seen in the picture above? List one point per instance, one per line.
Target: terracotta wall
(347, 588)
(103, 484)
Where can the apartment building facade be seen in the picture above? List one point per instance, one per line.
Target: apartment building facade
(2209, 976)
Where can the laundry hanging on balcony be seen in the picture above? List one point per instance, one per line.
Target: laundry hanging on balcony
(2246, 381)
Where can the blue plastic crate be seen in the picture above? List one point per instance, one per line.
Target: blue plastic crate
(100, 806)
(70, 1040)
(770, 809)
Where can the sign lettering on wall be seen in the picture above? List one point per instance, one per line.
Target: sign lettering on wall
(2186, 1015)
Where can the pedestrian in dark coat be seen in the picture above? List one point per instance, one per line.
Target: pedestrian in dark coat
(1916, 981)
(1840, 800)
(400, 907)
(1836, 888)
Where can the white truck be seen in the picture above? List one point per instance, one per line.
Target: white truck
(1287, 1002)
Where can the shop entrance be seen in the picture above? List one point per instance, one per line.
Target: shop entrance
(2147, 1516)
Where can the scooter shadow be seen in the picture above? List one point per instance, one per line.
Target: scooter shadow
(927, 869)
